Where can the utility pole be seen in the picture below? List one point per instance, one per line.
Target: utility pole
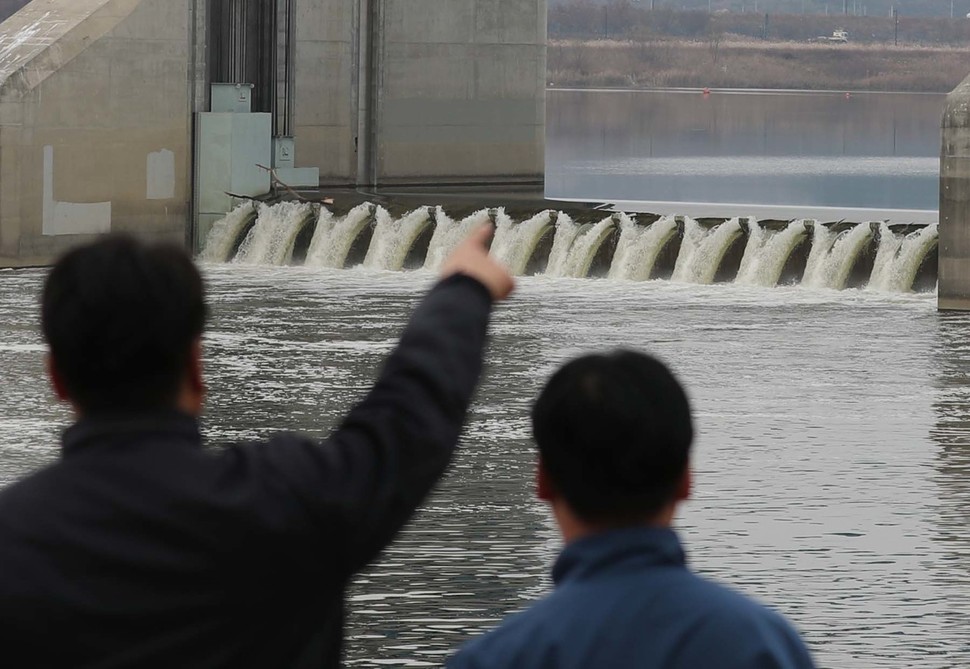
(895, 26)
(764, 30)
(845, 6)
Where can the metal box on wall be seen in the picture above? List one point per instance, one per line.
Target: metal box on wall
(231, 98)
(284, 152)
(232, 153)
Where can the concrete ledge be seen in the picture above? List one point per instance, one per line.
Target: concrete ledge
(953, 304)
(22, 263)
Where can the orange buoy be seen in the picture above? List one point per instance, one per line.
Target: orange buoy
(707, 91)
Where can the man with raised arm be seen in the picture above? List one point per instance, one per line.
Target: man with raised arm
(139, 548)
(614, 434)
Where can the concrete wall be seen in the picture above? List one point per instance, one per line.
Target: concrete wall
(95, 125)
(457, 90)
(462, 94)
(954, 286)
(325, 95)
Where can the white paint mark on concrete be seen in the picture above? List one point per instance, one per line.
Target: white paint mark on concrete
(69, 218)
(161, 175)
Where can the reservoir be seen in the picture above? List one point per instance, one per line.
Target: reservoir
(832, 465)
(777, 149)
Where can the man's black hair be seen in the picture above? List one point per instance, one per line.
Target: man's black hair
(120, 317)
(614, 433)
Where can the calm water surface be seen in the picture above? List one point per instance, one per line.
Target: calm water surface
(833, 463)
(783, 148)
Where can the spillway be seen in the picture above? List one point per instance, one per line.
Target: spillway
(746, 251)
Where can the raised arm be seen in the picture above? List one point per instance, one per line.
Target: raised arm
(359, 487)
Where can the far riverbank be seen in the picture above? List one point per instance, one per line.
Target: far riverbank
(755, 64)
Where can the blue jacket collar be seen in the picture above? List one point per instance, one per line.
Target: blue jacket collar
(627, 548)
(113, 428)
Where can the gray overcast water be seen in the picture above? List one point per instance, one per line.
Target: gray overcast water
(833, 463)
(781, 148)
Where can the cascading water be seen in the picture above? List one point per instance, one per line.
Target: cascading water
(767, 252)
(449, 233)
(515, 243)
(703, 250)
(833, 255)
(271, 240)
(334, 237)
(225, 232)
(576, 262)
(899, 257)
(639, 246)
(393, 239)
(566, 232)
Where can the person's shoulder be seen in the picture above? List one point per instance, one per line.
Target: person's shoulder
(35, 486)
(742, 627)
(723, 601)
(521, 640)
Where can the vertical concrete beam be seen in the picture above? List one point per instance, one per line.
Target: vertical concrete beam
(954, 285)
(369, 68)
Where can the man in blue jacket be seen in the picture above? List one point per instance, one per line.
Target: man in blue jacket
(140, 548)
(614, 434)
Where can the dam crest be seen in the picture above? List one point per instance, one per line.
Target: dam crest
(590, 244)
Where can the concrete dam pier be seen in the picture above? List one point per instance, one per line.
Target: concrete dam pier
(112, 117)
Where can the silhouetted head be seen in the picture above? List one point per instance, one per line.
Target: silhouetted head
(123, 320)
(614, 433)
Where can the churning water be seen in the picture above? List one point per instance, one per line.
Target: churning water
(833, 460)
(895, 258)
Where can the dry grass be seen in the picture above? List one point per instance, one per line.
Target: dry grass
(752, 64)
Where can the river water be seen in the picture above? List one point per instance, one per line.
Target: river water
(777, 149)
(833, 459)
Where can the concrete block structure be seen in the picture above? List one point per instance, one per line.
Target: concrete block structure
(99, 102)
(954, 282)
(95, 123)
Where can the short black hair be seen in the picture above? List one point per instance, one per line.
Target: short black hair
(614, 432)
(120, 317)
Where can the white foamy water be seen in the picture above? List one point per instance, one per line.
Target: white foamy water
(515, 243)
(703, 249)
(271, 240)
(566, 232)
(767, 252)
(334, 237)
(639, 246)
(632, 252)
(225, 232)
(833, 255)
(899, 257)
(576, 261)
(449, 233)
(393, 238)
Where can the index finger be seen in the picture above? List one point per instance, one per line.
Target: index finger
(481, 234)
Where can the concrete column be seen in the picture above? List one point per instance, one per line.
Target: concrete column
(954, 286)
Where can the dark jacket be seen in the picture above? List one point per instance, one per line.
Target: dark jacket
(626, 599)
(141, 549)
